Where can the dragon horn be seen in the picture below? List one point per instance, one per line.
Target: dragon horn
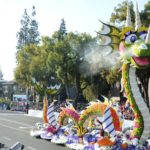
(147, 41)
(137, 18)
(128, 18)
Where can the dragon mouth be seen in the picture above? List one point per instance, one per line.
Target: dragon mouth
(141, 61)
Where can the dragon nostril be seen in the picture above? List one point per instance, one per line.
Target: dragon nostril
(143, 47)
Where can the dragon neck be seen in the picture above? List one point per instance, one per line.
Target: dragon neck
(132, 93)
(141, 112)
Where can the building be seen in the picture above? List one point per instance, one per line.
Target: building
(9, 88)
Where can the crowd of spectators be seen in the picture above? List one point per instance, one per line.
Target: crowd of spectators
(124, 107)
(126, 111)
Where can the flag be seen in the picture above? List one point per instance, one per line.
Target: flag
(108, 125)
(51, 116)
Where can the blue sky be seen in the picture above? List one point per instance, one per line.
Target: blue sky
(80, 15)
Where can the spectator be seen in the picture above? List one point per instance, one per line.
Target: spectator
(27, 108)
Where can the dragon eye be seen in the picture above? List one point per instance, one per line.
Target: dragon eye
(143, 35)
(130, 39)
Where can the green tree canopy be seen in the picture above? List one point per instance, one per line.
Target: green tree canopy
(118, 17)
(145, 14)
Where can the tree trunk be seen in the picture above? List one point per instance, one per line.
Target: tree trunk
(78, 88)
(67, 85)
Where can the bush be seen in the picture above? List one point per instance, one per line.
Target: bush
(4, 101)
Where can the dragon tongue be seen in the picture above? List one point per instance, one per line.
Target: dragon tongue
(141, 61)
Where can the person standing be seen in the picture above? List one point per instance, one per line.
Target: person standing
(27, 108)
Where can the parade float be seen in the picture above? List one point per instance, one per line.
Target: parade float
(99, 126)
(134, 47)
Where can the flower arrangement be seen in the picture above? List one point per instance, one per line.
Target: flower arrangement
(45, 108)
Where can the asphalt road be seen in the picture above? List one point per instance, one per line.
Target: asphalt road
(15, 127)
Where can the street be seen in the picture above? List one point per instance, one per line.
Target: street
(15, 127)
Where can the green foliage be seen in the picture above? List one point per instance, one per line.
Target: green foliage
(96, 85)
(32, 64)
(28, 33)
(33, 30)
(24, 58)
(61, 59)
(111, 76)
(28, 38)
(145, 14)
(90, 92)
(66, 57)
(119, 15)
(4, 101)
(62, 30)
(41, 73)
(22, 35)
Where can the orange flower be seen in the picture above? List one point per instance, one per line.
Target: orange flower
(102, 108)
(45, 108)
(124, 145)
(105, 142)
(116, 120)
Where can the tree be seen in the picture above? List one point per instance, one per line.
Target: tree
(28, 33)
(24, 58)
(32, 70)
(118, 17)
(43, 77)
(145, 14)
(62, 29)
(67, 57)
(1, 74)
(79, 44)
(23, 34)
(33, 30)
(61, 51)
(28, 39)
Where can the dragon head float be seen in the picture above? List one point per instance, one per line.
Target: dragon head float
(133, 43)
